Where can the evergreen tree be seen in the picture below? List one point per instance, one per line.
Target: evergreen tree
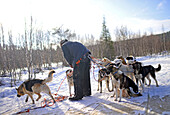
(105, 34)
(107, 49)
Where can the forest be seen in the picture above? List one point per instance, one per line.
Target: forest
(34, 50)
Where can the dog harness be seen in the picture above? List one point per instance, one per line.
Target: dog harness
(30, 83)
(107, 64)
(70, 74)
(119, 72)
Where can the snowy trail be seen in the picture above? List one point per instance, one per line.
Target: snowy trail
(97, 103)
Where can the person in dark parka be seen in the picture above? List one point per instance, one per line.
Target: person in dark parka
(76, 54)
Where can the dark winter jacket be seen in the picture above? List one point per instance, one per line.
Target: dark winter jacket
(74, 51)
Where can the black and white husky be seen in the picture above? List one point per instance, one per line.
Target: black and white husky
(144, 71)
(121, 81)
(104, 74)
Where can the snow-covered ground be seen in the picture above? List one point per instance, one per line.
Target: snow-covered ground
(154, 98)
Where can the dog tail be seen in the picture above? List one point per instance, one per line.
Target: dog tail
(49, 78)
(159, 68)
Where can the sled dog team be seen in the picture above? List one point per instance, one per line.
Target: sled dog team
(124, 77)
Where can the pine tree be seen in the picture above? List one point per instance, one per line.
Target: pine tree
(105, 34)
(107, 49)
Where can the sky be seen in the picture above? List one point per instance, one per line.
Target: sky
(86, 16)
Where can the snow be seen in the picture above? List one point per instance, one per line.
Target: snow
(97, 103)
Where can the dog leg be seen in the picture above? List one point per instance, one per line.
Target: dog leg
(154, 77)
(113, 92)
(39, 96)
(142, 86)
(47, 91)
(126, 93)
(112, 83)
(51, 96)
(70, 89)
(116, 93)
(98, 80)
(156, 83)
(31, 98)
(107, 83)
(144, 82)
(137, 82)
(120, 95)
(148, 80)
(100, 87)
(26, 100)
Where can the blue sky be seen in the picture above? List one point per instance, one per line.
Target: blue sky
(144, 9)
(86, 16)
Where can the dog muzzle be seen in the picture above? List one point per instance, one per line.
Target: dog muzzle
(18, 95)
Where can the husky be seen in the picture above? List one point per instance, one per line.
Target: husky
(69, 74)
(105, 62)
(35, 86)
(145, 71)
(126, 69)
(121, 81)
(104, 74)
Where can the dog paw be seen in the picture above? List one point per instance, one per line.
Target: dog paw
(129, 97)
(147, 85)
